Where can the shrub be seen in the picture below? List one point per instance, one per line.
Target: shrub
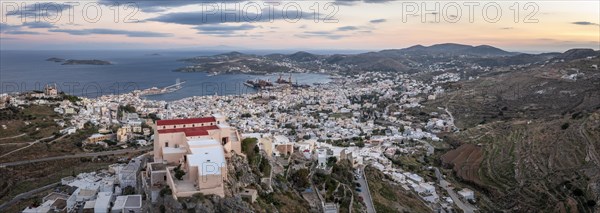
(129, 190)
(564, 126)
(179, 173)
(166, 191)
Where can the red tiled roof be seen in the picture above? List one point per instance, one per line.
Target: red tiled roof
(192, 131)
(185, 121)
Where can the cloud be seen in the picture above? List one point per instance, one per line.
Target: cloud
(50, 10)
(34, 25)
(7, 27)
(377, 1)
(103, 31)
(323, 34)
(200, 18)
(163, 5)
(16, 30)
(584, 23)
(351, 2)
(377, 21)
(223, 29)
(347, 28)
(23, 32)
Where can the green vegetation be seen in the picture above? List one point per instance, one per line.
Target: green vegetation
(129, 190)
(331, 161)
(300, 178)
(165, 191)
(179, 173)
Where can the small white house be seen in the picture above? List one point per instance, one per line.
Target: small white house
(467, 194)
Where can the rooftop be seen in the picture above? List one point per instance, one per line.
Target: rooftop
(192, 131)
(196, 143)
(186, 121)
(206, 159)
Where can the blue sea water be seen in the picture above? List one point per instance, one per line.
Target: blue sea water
(131, 70)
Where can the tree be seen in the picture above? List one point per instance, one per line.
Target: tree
(300, 178)
(331, 161)
(153, 116)
(564, 126)
(179, 173)
(166, 191)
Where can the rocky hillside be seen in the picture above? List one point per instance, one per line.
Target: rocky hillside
(530, 137)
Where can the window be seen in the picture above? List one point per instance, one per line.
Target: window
(224, 140)
(166, 144)
(185, 158)
(184, 125)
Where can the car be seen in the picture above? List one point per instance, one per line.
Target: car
(357, 184)
(358, 190)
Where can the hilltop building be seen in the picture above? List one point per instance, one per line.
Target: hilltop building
(50, 90)
(197, 146)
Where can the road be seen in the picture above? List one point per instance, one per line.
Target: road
(16, 136)
(365, 193)
(33, 143)
(26, 195)
(93, 154)
(466, 207)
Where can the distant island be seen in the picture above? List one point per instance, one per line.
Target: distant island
(79, 62)
(55, 59)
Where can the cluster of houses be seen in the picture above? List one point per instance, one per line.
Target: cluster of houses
(105, 191)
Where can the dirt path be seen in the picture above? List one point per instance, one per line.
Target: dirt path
(31, 144)
(16, 136)
(591, 149)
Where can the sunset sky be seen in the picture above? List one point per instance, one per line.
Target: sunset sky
(350, 25)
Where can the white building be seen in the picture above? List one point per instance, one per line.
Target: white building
(103, 202)
(467, 194)
(127, 204)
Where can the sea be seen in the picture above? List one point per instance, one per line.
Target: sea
(22, 70)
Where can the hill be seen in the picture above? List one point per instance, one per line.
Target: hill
(537, 130)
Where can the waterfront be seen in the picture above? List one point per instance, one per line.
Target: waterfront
(131, 70)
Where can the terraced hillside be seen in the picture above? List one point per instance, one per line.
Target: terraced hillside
(530, 137)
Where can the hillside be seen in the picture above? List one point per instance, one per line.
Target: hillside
(408, 60)
(530, 137)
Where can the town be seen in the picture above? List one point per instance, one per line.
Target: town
(367, 120)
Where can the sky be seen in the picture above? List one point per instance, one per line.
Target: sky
(525, 26)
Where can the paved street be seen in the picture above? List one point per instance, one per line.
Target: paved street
(466, 207)
(365, 191)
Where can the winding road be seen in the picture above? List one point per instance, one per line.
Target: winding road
(26, 195)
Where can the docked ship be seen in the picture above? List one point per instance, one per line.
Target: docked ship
(258, 84)
(281, 80)
(164, 90)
